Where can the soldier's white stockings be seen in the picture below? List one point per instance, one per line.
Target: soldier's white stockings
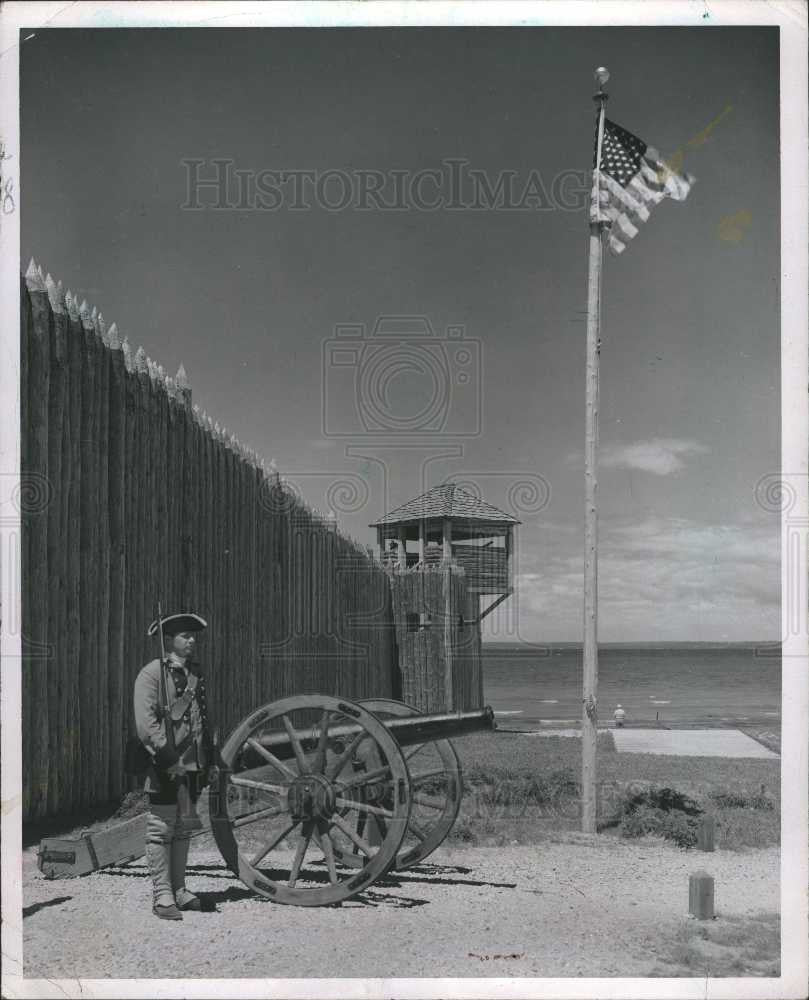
(160, 826)
(179, 859)
(179, 855)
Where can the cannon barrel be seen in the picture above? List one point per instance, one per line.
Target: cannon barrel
(406, 731)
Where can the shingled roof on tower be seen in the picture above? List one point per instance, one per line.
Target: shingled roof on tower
(446, 500)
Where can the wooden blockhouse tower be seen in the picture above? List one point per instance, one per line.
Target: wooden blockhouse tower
(448, 524)
(450, 557)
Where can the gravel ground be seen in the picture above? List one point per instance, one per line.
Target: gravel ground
(584, 906)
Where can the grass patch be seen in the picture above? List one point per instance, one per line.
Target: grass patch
(674, 825)
(727, 946)
(524, 789)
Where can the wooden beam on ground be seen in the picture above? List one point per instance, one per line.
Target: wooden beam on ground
(70, 857)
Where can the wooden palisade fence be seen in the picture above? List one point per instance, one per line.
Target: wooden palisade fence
(131, 494)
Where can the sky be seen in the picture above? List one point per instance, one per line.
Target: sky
(273, 306)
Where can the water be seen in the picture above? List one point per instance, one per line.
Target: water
(684, 683)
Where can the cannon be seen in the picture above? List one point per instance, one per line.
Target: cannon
(315, 797)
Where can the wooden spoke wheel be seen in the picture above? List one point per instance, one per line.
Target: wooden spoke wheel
(436, 790)
(286, 806)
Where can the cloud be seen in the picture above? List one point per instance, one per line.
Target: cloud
(659, 577)
(660, 456)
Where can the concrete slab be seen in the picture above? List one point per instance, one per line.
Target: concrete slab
(558, 732)
(690, 743)
(678, 742)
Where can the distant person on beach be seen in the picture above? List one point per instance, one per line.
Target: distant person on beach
(619, 715)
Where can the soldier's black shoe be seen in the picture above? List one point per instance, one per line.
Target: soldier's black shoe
(187, 900)
(169, 912)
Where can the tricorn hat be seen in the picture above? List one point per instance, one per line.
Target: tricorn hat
(187, 621)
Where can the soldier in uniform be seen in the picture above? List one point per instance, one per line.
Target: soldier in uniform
(171, 694)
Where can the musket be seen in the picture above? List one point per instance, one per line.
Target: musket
(183, 795)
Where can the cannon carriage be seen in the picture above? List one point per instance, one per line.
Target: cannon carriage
(316, 797)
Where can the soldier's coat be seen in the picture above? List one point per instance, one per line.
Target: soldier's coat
(151, 724)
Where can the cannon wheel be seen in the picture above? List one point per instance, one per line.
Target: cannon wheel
(268, 809)
(436, 791)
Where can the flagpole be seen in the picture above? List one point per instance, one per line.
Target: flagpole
(589, 725)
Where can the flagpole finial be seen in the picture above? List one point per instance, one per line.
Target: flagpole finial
(602, 75)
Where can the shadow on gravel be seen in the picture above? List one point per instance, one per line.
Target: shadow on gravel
(140, 871)
(210, 900)
(434, 876)
(371, 898)
(418, 875)
(29, 911)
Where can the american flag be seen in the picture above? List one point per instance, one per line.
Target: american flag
(631, 178)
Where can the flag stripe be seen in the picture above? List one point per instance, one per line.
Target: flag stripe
(627, 199)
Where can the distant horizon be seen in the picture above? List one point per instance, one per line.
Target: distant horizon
(636, 643)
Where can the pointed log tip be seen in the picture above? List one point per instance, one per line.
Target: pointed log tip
(181, 378)
(34, 281)
(55, 295)
(86, 318)
(72, 306)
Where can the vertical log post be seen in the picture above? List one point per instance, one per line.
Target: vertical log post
(36, 639)
(116, 649)
(705, 832)
(402, 547)
(448, 615)
(701, 895)
(56, 575)
(104, 733)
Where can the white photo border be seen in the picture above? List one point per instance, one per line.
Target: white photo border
(791, 17)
